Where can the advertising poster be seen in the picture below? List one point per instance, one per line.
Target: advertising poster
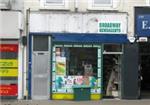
(98, 90)
(63, 84)
(93, 82)
(8, 72)
(59, 83)
(69, 81)
(61, 66)
(86, 80)
(8, 48)
(8, 90)
(95, 85)
(8, 63)
(78, 80)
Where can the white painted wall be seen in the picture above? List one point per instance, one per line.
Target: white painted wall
(74, 22)
(10, 24)
(83, 6)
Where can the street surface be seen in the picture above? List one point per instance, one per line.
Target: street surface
(58, 102)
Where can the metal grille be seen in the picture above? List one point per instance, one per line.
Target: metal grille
(40, 76)
(41, 64)
(40, 87)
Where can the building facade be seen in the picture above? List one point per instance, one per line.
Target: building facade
(76, 44)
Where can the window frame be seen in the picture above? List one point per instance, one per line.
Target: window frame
(99, 67)
(63, 5)
(100, 5)
(112, 6)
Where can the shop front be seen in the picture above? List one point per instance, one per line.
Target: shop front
(92, 60)
(142, 30)
(82, 61)
(85, 54)
(10, 55)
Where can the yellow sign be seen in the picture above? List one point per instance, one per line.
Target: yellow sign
(8, 72)
(8, 63)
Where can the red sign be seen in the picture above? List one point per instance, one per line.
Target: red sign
(8, 90)
(8, 48)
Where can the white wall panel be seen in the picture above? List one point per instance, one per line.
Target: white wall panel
(74, 22)
(10, 24)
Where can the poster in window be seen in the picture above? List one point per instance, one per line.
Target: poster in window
(69, 81)
(98, 90)
(61, 66)
(78, 80)
(93, 82)
(60, 84)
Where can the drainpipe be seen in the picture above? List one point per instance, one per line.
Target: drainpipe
(27, 52)
(76, 5)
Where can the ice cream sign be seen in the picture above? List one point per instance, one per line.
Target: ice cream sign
(112, 24)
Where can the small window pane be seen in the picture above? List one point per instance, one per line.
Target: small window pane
(54, 1)
(113, 48)
(40, 43)
(102, 1)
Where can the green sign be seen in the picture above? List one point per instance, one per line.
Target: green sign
(109, 27)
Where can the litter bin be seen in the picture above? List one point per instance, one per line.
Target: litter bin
(82, 93)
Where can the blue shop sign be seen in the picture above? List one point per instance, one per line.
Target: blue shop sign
(142, 25)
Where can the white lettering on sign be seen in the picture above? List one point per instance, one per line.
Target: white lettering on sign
(145, 25)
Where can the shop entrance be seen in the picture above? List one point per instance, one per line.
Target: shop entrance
(111, 70)
(144, 73)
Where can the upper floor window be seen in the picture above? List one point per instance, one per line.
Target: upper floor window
(102, 4)
(57, 2)
(54, 4)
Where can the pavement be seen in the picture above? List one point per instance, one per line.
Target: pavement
(60, 102)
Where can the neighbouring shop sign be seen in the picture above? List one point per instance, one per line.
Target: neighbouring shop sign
(8, 90)
(8, 63)
(142, 25)
(8, 48)
(8, 72)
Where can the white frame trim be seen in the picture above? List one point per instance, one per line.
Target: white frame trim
(148, 2)
(45, 5)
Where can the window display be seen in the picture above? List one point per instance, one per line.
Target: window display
(76, 65)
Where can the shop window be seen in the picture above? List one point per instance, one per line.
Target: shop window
(40, 43)
(54, 4)
(76, 65)
(79, 61)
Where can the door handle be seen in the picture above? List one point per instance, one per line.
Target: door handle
(40, 53)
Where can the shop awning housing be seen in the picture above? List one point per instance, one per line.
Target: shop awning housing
(86, 37)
